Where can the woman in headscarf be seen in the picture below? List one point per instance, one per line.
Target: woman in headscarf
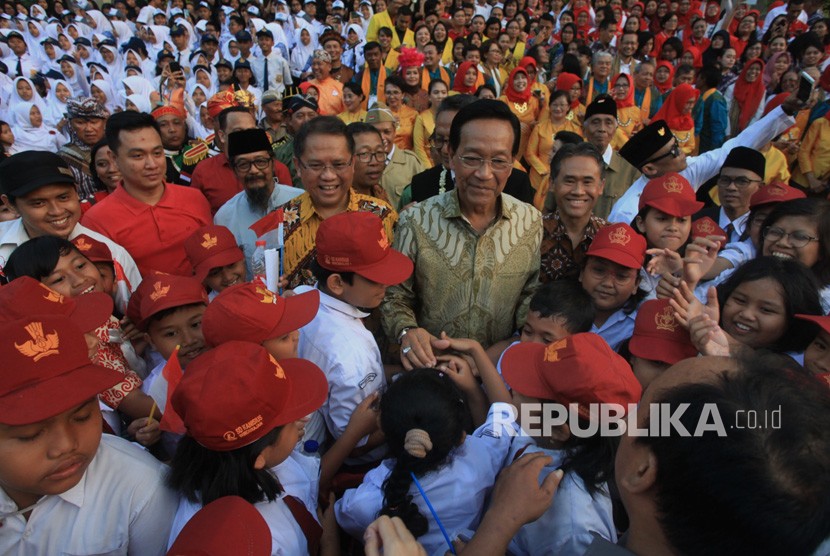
(409, 62)
(101, 90)
(466, 79)
(629, 117)
(664, 77)
(55, 114)
(677, 113)
(517, 95)
(301, 55)
(745, 97)
(353, 52)
(23, 90)
(776, 67)
(73, 75)
(139, 103)
(572, 85)
(114, 62)
(30, 132)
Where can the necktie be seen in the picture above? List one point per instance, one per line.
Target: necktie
(19, 68)
(730, 229)
(265, 86)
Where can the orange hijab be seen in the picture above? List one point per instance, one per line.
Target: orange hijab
(672, 109)
(458, 83)
(629, 99)
(749, 95)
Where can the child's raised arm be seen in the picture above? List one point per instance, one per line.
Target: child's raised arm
(490, 378)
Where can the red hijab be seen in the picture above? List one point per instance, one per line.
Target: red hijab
(458, 83)
(749, 95)
(664, 87)
(711, 20)
(512, 94)
(629, 99)
(672, 109)
(565, 82)
(696, 57)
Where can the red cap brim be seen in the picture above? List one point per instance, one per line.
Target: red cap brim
(519, 367)
(660, 349)
(54, 396)
(223, 258)
(676, 207)
(393, 269)
(617, 256)
(299, 310)
(309, 389)
(822, 321)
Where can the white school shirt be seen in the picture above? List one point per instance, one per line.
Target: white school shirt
(568, 526)
(701, 168)
(338, 342)
(287, 537)
(738, 225)
(457, 490)
(618, 328)
(13, 233)
(120, 506)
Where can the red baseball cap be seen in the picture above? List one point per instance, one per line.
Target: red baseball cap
(774, 192)
(237, 393)
(619, 243)
(210, 247)
(658, 336)
(94, 250)
(356, 242)
(167, 291)
(822, 321)
(257, 314)
(25, 296)
(581, 369)
(228, 526)
(145, 287)
(672, 194)
(46, 369)
(705, 226)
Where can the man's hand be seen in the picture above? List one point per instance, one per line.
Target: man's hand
(391, 535)
(416, 349)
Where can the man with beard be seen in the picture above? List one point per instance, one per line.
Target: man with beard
(87, 120)
(249, 154)
(172, 121)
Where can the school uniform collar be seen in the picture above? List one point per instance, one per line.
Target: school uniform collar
(339, 306)
(452, 206)
(739, 224)
(75, 495)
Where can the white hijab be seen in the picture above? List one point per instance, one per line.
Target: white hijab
(142, 102)
(55, 109)
(16, 99)
(106, 88)
(30, 138)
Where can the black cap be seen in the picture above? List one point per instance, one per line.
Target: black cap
(603, 104)
(51, 41)
(24, 172)
(51, 74)
(248, 141)
(242, 63)
(15, 34)
(642, 145)
(164, 54)
(296, 102)
(746, 159)
(209, 38)
(223, 64)
(265, 33)
(243, 36)
(178, 31)
(83, 41)
(67, 58)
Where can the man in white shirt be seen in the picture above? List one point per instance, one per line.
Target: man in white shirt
(271, 69)
(20, 62)
(39, 187)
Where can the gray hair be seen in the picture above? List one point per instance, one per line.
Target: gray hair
(601, 54)
(585, 149)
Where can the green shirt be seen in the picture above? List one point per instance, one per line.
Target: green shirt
(468, 284)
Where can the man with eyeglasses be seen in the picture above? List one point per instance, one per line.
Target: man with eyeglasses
(441, 177)
(250, 156)
(655, 152)
(401, 164)
(476, 251)
(324, 157)
(741, 176)
(369, 160)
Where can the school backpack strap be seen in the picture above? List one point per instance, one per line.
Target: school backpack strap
(311, 529)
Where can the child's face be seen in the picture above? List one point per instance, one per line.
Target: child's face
(74, 275)
(664, 231)
(755, 314)
(647, 370)
(543, 330)
(24, 90)
(608, 283)
(107, 277)
(180, 328)
(6, 135)
(35, 116)
(817, 355)
(363, 293)
(226, 276)
(808, 254)
(50, 456)
(283, 347)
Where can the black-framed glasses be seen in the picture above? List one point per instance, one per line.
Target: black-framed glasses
(319, 167)
(797, 238)
(741, 181)
(476, 162)
(378, 156)
(674, 152)
(245, 165)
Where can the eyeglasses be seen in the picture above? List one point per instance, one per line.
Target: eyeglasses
(741, 181)
(245, 165)
(379, 156)
(319, 167)
(438, 142)
(797, 239)
(476, 162)
(674, 152)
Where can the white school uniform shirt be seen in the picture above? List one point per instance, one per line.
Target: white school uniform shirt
(618, 328)
(338, 342)
(287, 537)
(120, 506)
(701, 168)
(457, 490)
(279, 72)
(13, 233)
(568, 526)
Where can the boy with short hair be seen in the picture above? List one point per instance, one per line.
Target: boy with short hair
(353, 268)
(65, 489)
(217, 260)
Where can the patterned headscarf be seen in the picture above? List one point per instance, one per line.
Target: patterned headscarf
(85, 107)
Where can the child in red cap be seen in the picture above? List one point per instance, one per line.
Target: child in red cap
(245, 412)
(65, 489)
(228, 526)
(817, 354)
(611, 276)
(579, 371)
(217, 260)
(355, 263)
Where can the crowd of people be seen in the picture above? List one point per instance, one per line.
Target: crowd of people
(313, 277)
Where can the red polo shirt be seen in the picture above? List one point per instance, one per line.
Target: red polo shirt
(153, 234)
(215, 178)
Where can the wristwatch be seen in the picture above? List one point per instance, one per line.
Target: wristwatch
(403, 333)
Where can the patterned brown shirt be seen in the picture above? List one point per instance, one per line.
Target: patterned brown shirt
(560, 259)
